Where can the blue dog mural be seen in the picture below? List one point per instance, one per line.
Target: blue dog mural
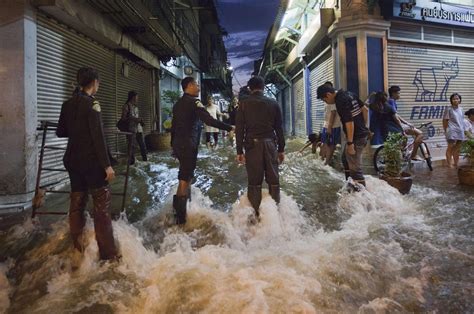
(432, 83)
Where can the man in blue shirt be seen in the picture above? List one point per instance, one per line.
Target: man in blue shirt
(408, 128)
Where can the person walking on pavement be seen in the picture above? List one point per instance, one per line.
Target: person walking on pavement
(184, 140)
(131, 113)
(87, 163)
(259, 132)
(354, 116)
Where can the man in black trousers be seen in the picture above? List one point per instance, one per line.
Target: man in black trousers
(259, 131)
(87, 163)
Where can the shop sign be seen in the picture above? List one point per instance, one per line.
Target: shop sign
(434, 12)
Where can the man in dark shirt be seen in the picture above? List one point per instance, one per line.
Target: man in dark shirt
(87, 163)
(259, 131)
(185, 140)
(386, 115)
(354, 118)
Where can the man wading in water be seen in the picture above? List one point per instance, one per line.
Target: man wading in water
(258, 130)
(185, 140)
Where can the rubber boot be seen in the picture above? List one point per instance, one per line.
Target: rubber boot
(103, 223)
(144, 157)
(254, 194)
(275, 192)
(179, 205)
(77, 221)
(188, 193)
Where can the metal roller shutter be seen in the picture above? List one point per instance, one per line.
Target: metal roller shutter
(427, 76)
(298, 92)
(138, 79)
(287, 110)
(61, 51)
(321, 72)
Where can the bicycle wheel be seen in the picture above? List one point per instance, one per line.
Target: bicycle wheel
(379, 162)
(426, 154)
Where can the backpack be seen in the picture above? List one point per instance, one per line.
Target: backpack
(123, 124)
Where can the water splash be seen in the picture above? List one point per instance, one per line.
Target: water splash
(381, 255)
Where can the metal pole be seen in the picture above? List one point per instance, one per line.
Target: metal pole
(40, 166)
(129, 156)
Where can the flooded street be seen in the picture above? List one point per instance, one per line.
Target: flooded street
(321, 249)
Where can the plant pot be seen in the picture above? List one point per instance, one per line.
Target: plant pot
(158, 141)
(466, 175)
(402, 183)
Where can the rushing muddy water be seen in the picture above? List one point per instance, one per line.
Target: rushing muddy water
(321, 249)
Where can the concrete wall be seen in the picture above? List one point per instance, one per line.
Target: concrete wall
(18, 153)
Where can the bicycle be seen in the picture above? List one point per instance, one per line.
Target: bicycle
(407, 150)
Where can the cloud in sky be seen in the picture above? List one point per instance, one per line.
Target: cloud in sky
(248, 23)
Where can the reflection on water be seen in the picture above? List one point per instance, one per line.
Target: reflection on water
(320, 250)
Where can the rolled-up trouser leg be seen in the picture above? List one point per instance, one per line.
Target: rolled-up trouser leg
(344, 163)
(254, 194)
(179, 205)
(103, 223)
(354, 161)
(78, 202)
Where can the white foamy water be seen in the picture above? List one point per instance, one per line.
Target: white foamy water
(219, 263)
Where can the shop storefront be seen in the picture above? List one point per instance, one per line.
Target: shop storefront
(431, 56)
(299, 106)
(60, 52)
(322, 71)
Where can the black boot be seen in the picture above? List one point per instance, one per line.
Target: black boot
(254, 194)
(275, 192)
(188, 193)
(179, 205)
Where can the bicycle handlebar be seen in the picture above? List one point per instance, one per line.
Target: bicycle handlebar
(425, 124)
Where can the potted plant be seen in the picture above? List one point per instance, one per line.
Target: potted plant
(466, 173)
(393, 159)
(162, 140)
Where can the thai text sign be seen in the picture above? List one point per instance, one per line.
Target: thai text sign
(435, 12)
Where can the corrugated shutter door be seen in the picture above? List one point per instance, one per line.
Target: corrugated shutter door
(298, 92)
(321, 72)
(140, 80)
(61, 52)
(427, 76)
(287, 110)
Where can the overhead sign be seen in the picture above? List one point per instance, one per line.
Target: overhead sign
(434, 12)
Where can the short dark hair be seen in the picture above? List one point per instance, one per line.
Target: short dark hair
(328, 83)
(469, 112)
(393, 89)
(323, 90)
(131, 94)
(255, 83)
(186, 81)
(452, 96)
(85, 76)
